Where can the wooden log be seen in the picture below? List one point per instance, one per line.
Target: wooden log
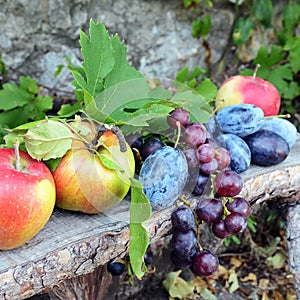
(73, 244)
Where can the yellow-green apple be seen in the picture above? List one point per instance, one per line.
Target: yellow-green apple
(83, 182)
(251, 90)
(27, 197)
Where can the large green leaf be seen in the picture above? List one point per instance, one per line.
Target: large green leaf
(98, 57)
(48, 140)
(140, 212)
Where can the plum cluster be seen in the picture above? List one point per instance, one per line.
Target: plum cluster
(252, 138)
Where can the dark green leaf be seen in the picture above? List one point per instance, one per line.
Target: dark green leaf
(263, 10)
(207, 89)
(67, 110)
(201, 27)
(243, 30)
(291, 16)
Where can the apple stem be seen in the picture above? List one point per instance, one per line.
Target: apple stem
(255, 71)
(17, 155)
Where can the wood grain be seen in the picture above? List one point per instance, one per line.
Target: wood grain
(73, 244)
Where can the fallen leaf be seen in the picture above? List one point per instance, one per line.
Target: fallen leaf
(250, 277)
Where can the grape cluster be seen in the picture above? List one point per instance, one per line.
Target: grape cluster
(202, 150)
(222, 208)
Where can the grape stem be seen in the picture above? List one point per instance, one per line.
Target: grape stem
(178, 133)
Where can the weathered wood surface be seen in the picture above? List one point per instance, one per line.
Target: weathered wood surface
(73, 244)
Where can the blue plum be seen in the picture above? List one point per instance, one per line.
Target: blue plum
(240, 154)
(283, 127)
(267, 148)
(164, 174)
(240, 119)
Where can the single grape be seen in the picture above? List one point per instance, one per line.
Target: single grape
(205, 153)
(116, 268)
(183, 219)
(184, 245)
(219, 230)
(205, 263)
(227, 183)
(209, 209)
(267, 148)
(191, 157)
(195, 134)
(181, 260)
(150, 146)
(209, 167)
(235, 223)
(202, 181)
(222, 156)
(239, 205)
(178, 115)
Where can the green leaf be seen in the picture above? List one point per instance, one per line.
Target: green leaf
(177, 287)
(67, 110)
(2, 66)
(108, 163)
(140, 212)
(12, 96)
(207, 89)
(197, 106)
(277, 261)
(290, 16)
(201, 27)
(52, 164)
(233, 281)
(98, 57)
(263, 10)
(122, 70)
(206, 294)
(293, 46)
(48, 140)
(29, 84)
(268, 59)
(243, 30)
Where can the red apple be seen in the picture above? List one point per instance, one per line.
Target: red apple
(83, 183)
(27, 197)
(251, 90)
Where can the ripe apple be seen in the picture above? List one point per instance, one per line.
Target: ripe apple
(251, 90)
(27, 197)
(83, 182)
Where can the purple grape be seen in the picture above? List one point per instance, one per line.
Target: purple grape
(205, 153)
(184, 245)
(195, 135)
(209, 209)
(235, 223)
(205, 263)
(239, 205)
(219, 230)
(191, 157)
(209, 167)
(178, 115)
(228, 183)
(222, 156)
(150, 146)
(201, 183)
(183, 219)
